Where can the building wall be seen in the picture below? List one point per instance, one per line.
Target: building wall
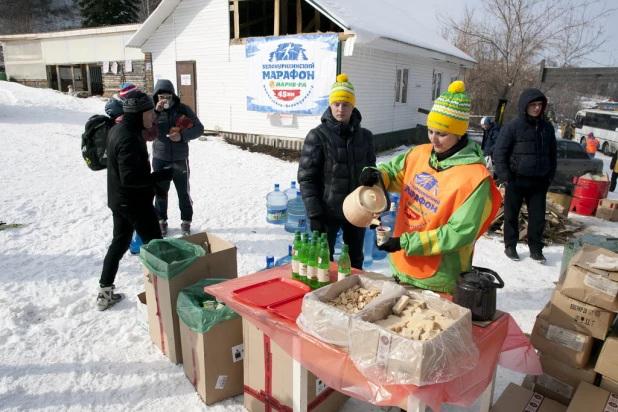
(92, 48)
(24, 60)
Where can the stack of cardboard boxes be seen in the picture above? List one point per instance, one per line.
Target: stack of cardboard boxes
(571, 332)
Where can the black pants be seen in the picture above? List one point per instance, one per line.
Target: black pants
(612, 185)
(181, 182)
(143, 221)
(353, 236)
(534, 193)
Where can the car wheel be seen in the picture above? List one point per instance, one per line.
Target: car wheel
(582, 140)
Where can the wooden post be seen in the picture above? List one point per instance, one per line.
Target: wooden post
(73, 77)
(284, 17)
(88, 78)
(236, 20)
(49, 76)
(277, 11)
(59, 79)
(317, 21)
(299, 17)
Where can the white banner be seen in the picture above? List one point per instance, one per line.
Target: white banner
(291, 74)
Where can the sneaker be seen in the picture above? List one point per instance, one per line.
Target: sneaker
(185, 227)
(511, 253)
(163, 226)
(107, 297)
(538, 256)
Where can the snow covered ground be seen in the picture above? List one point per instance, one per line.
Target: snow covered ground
(56, 351)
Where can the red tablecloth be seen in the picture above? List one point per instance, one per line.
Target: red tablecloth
(500, 343)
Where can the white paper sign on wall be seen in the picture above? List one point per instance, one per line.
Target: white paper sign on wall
(185, 79)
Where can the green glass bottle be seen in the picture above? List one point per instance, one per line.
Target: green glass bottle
(312, 263)
(323, 266)
(296, 247)
(324, 238)
(304, 259)
(345, 267)
(315, 234)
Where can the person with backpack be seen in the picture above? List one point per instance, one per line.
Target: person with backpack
(130, 189)
(177, 125)
(113, 108)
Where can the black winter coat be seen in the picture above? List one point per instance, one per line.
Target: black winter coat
(526, 146)
(129, 181)
(332, 159)
(490, 136)
(163, 148)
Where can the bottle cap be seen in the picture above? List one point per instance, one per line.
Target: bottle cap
(276, 186)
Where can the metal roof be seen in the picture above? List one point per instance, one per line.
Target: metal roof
(72, 33)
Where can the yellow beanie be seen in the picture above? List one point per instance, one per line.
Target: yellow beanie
(451, 111)
(342, 90)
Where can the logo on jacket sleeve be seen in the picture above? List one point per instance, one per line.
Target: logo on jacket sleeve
(427, 182)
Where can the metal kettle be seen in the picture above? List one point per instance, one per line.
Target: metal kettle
(476, 290)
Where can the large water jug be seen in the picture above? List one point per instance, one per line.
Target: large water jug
(297, 215)
(285, 259)
(368, 248)
(389, 218)
(338, 245)
(276, 207)
(291, 192)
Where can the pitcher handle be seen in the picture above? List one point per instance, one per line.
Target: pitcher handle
(388, 199)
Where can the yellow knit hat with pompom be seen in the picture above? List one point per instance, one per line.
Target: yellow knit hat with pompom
(451, 111)
(342, 90)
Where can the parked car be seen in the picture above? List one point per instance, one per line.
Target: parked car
(573, 161)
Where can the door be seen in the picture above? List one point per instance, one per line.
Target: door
(186, 84)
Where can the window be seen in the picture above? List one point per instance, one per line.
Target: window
(437, 86)
(401, 85)
(575, 151)
(561, 149)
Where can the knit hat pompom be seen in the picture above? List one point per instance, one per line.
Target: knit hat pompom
(451, 111)
(342, 90)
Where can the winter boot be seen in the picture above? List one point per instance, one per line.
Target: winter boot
(163, 226)
(107, 297)
(511, 253)
(185, 227)
(538, 256)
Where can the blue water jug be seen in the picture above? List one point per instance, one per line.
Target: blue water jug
(136, 243)
(297, 214)
(368, 248)
(286, 259)
(270, 262)
(291, 192)
(338, 245)
(276, 207)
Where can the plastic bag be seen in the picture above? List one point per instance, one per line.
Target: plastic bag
(169, 257)
(191, 311)
(330, 324)
(388, 358)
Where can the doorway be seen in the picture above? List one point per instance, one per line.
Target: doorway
(185, 72)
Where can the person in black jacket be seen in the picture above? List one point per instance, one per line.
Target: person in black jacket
(525, 161)
(614, 167)
(491, 131)
(130, 189)
(171, 149)
(332, 159)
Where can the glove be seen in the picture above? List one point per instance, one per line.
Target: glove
(163, 175)
(391, 245)
(317, 224)
(369, 177)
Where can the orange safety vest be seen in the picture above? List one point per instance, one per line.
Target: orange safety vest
(428, 200)
(591, 145)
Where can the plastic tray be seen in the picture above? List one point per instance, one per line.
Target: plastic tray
(289, 308)
(271, 291)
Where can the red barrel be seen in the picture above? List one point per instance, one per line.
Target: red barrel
(592, 189)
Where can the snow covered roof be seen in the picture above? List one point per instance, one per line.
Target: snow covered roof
(162, 12)
(72, 33)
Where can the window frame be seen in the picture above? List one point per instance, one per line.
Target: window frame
(436, 86)
(402, 84)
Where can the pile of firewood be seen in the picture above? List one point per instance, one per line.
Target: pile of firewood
(558, 228)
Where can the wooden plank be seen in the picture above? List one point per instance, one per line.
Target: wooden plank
(309, 26)
(317, 21)
(88, 78)
(236, 20)
(252, 22)
(59, 79)
(277, 11)
(299, 17)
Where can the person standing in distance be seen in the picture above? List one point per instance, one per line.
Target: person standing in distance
(525, 161)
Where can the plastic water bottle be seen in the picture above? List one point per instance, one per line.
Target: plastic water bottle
(297, 215)
(292, 191)
(304, 259)
(368, 248)
(285, 259)
(323, 266)
(297, 246)
(276, 207)
(136, 243)
(338, 245)
(312, 262)
(344, 266)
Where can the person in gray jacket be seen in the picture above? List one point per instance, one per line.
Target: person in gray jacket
(177, 126)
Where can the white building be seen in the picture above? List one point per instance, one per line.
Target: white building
(75, 57)
(397, 67)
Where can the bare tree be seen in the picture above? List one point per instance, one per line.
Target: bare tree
(147, 7)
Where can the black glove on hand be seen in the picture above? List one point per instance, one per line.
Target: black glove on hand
(369, 177)
(391, 245)
(317, 223)
(163, 175)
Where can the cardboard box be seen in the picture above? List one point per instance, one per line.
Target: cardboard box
(609, 384)
(561, 201)
(607, 363)
(597, 287)
(142, 311)
(518, 399)
(589, 398)
(278, 378)
(579, 317)
(570, 347)
(162, 294)
(214, 360)
(560, 381)
(607, 210)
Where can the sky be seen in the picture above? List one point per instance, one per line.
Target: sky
(606, 56)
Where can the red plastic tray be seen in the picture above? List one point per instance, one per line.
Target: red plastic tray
(271, 291)
(289, 308)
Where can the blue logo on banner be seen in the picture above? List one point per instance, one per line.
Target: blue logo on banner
(288, 51)
(427, 182)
